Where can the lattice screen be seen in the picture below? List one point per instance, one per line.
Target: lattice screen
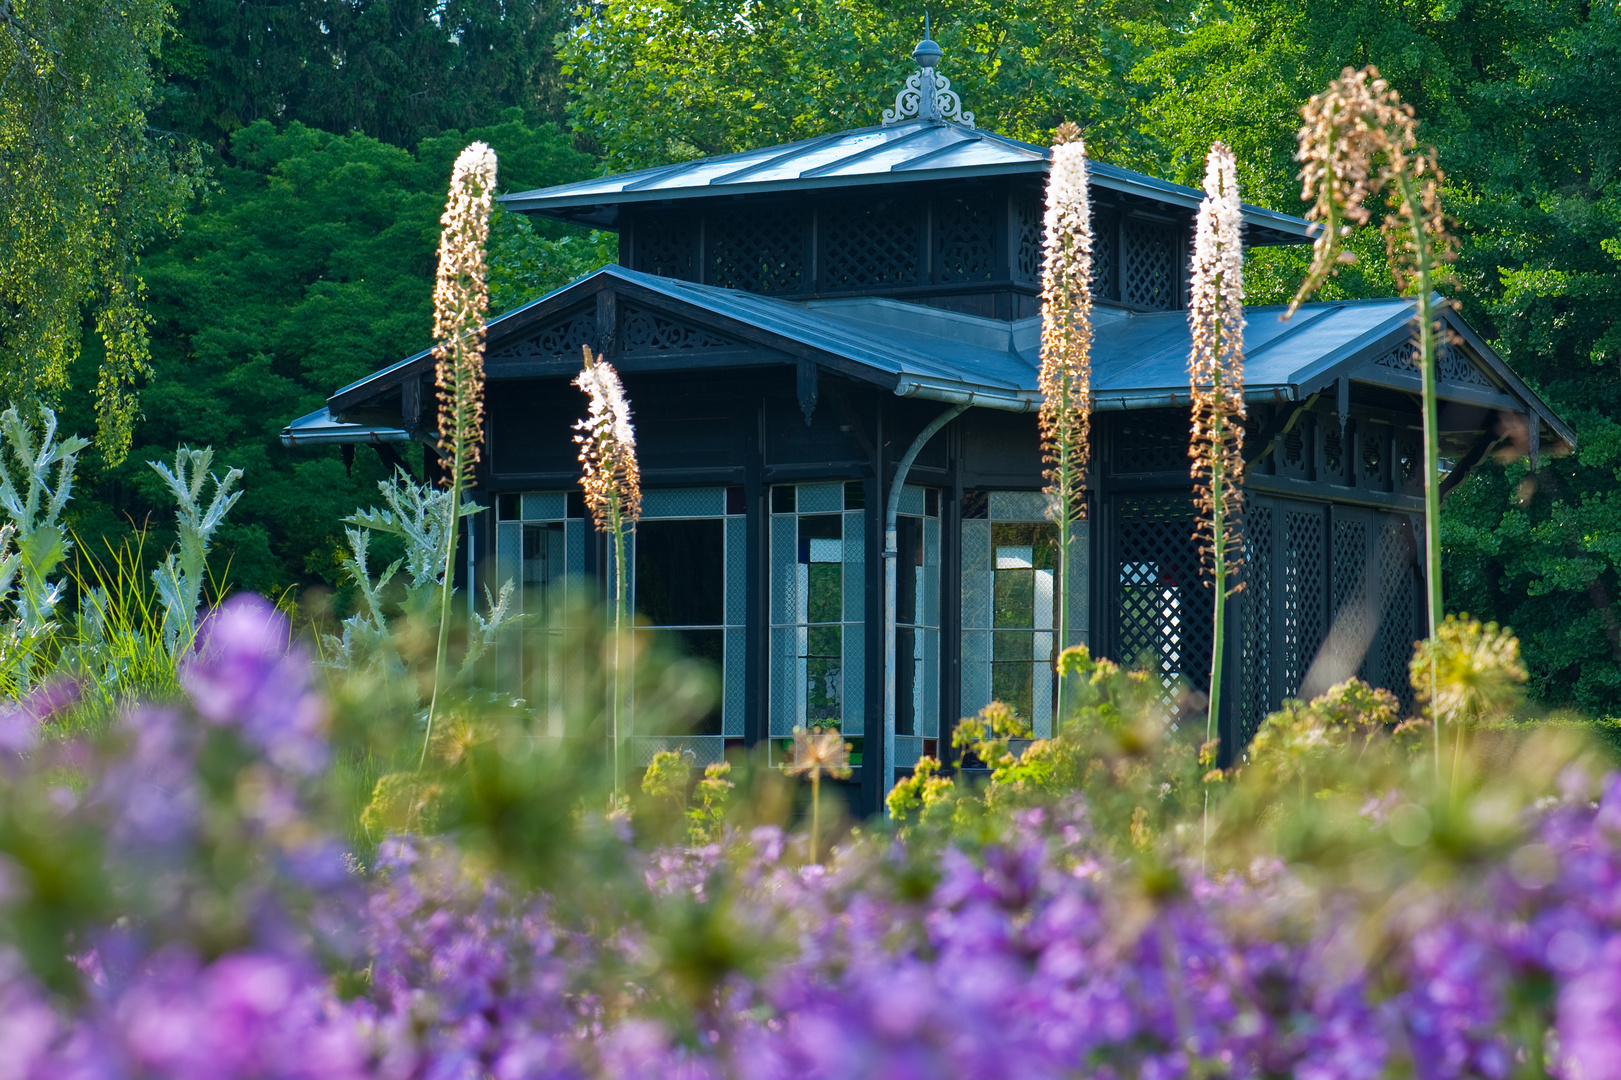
(1348, 599)
(965, 241)
(1028, 213)
(1151, 264)
(1163, 609)
(1396, 622)
(1105, 256)
(667, 247)
(869, 244)
(1255, 648)
(559, 339)
(1302, 581)
(642, 331)
(1151, 441)
(760, 253)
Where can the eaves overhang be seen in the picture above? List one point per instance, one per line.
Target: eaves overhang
(1138, 360)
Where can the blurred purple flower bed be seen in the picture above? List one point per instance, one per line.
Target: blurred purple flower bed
(171, 905)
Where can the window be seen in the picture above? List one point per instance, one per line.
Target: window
(687, 579)
(818, 608)
(917, 623)
(540, 548)
(1010, 564)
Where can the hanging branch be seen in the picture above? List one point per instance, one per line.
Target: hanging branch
(1066, 348)
(461, 298)
(1216, 381)
(1360, 141)
(612, 482)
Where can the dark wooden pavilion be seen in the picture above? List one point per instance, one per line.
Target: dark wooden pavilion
(835, 341)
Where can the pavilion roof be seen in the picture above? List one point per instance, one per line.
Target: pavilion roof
(1138, 360)
(906, 152)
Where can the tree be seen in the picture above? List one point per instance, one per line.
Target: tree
(310, 265)
(398, 70)
(84, 187)
(666, 81)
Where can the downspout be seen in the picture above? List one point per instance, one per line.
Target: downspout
(890, 555)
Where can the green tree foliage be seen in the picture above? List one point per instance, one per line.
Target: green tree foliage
(84, 186)
(677, 79)
(398, 70)
(310, 265)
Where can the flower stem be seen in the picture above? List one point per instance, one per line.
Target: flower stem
(453, 516)
(816, 813)
(616, 522)
(1423, 256)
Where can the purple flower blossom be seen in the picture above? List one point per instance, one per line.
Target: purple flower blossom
(245, 673)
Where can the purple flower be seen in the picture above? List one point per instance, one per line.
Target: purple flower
(1589, 1022)
(20, 720)
(245, 673)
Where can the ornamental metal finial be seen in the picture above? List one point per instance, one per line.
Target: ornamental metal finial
(927, 94)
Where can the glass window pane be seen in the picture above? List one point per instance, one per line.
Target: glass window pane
(1012, 645)
(1011, 685)
(680, 572)
(1014, 598)
(826, 601)
(824, 661)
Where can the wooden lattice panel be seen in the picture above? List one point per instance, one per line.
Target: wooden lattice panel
(1151, 441)
(1163, 609)
(1302, 580)
(666, 248)
(1105, 257)
(1255, 647)
(759, 253)
(1028, 212)
(1396, 613)
(1150, 265)
(869, 245)
(1348, 599)
(965, 241)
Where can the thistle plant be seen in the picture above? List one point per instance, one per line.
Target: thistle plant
(461, 297)
(613, 492)
(818, 754)
(1066, 353)
(179, 581)
(1216, 378)
(1358, 142)
(36, 482)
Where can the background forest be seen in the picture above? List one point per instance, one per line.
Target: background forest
(251, 193)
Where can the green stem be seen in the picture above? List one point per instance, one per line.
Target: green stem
(616, 522)
(1066, 508)
(816, 812)
(1424, 257)
(453, 514)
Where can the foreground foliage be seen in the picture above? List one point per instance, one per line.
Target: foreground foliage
(181, 901)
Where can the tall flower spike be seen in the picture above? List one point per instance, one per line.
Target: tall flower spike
(1066, 351)
(461, 299)
(611, 477)
(1216, 363)
(613, 490)
(1360, 141)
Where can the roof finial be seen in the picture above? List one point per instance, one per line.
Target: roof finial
(927, 95)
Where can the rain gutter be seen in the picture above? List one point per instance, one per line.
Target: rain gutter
(890, 554)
